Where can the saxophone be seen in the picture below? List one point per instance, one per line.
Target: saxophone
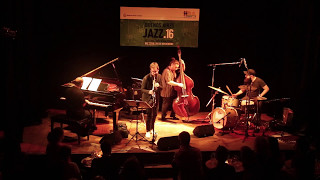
(154, 99)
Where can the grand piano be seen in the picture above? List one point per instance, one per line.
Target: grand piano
(103, 93)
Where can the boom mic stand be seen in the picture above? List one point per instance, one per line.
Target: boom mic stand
(248, 94)
(246, 134)
(212, 80)
(223, 124)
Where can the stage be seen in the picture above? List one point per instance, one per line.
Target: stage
(157, 163)
(35, 136)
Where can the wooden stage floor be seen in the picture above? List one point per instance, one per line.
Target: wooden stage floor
(35, 136)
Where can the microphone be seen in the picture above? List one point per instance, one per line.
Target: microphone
(245, 63)
(241, 61)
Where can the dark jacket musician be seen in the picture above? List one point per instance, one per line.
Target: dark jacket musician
(150, 89)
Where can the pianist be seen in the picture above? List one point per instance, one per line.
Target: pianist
(76, 102)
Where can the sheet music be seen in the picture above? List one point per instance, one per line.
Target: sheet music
(91, 84)
(86, 82)
(94, 84)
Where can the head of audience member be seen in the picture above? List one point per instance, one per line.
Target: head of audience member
(184, 138)
(222, 154)
(106, 148)
(302, 145)
(132, 169)
(261, 145)
(98, 177)
(247, 157)
(56, 135)
(274, 146)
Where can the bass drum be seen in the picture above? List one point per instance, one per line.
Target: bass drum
(224, 118)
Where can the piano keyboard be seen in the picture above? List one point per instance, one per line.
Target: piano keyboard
(98, 104)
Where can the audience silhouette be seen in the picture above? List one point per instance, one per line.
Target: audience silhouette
(248, 159)
(70, 169)
(58, 158)
(53, 148)
(54, 145)
(265, 161)
(302, 164)
(132, 169)
(107, 166)
(220, 170)
(187, 161)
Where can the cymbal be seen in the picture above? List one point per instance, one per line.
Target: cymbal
(261, 98)
(218, 89)
(245, 87)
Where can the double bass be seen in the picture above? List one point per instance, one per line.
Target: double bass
(186, 104)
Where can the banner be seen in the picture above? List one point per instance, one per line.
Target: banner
(159, 27)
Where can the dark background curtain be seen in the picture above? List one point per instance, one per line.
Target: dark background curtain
(59, 40)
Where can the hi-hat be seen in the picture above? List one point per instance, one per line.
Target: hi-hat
(218, 89)
(261, 98)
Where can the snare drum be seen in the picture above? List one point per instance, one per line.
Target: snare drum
(224, 118)
(229, 101)
(247, 102)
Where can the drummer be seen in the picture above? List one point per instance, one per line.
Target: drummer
(257, 85)
(256, 88)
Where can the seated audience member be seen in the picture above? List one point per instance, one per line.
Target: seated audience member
(302, 164)
(268, 164)
(106, 166)
(276, 160)
(187, 161)
(263, 155)
(132, 169)
(54, 145)
(70, 169)
(54, 138)
(248, 159)
(218, 168)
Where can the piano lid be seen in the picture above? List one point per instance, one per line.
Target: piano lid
(106, 91)
(90, 73)
(97, 80)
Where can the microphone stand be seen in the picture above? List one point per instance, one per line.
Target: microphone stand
(248, 94)
(212, 81)
(246, 134)
(213, 69)
(223, 119)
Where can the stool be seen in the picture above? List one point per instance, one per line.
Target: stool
(77, 126)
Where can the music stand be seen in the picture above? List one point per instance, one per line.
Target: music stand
(140, 105)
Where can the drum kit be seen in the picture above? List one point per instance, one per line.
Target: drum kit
(233, 113)
(227, 116)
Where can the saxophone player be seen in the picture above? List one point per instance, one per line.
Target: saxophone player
(150, 89)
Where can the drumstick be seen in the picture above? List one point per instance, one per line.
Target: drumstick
(229, 89)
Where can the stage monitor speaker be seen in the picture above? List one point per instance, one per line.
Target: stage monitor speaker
(168, 143)
(204, 130)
